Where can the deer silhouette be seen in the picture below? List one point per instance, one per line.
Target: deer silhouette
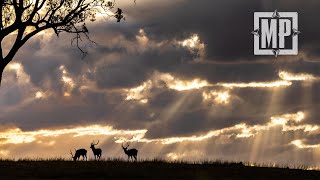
(131, 153)
(96, 151)
(78, 153)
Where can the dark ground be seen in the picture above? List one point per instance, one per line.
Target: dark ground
(144, 170)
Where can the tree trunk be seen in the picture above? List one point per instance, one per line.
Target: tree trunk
(3, 63)
(1, 72)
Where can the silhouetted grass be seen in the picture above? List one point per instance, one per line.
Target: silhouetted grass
(117, 168)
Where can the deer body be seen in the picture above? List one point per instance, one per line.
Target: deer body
(78, 153)
(96, 151)
(131, 153)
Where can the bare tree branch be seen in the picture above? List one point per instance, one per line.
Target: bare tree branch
(69, 16)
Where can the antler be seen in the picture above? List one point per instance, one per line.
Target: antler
(126, 146)
(94, 143)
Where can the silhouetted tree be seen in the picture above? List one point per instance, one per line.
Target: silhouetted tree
(26, 18)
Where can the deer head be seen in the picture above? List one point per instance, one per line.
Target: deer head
(93, 144)
(73, 157)
(125, 148)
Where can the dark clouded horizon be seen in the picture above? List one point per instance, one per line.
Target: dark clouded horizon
(177, 78)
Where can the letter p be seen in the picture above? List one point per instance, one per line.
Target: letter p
(284, 31)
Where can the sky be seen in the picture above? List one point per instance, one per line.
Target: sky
(176, 79)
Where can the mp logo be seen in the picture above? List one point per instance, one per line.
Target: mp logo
(275, 33)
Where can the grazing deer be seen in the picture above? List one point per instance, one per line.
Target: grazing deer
(96, 151)
(79, 152)
(131, 153)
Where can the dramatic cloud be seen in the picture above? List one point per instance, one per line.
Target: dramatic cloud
(297, 77)
(257, 84)
(178, 79)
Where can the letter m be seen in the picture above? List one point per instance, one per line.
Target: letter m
(269, 33)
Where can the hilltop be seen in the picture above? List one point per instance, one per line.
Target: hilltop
(154, 169)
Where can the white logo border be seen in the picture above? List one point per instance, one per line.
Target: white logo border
(293, 51)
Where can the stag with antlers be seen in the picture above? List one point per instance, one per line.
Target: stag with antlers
(96, 151)
(131, 153)
(78, 153)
